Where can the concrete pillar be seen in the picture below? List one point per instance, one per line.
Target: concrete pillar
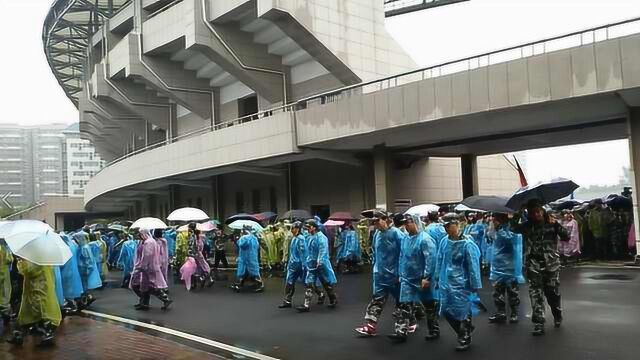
(172, 128)
(634, 154)
(173, 198)
(382, 171)
(469, 165)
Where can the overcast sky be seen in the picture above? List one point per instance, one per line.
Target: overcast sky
(31, 95)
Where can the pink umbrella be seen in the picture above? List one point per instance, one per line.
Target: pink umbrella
(333, 223)
(341, 216)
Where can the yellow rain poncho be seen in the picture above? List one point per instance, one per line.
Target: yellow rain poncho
(39, 301)
(182, 248)
(5, 279)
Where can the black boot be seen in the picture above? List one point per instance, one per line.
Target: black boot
(499, 317)
(306, 307)
(557, 317)
(331, 293)
(513, 317)
(538, 329)
(163, 295)
(433, 328)
(144, 302)
(464, 335)
(289, 290)
(17, 338)
(47, 331)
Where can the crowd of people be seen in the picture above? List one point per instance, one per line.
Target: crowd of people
(431, 265)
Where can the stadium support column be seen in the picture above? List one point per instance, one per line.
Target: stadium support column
(634, 154)
(469, 165)
(382, 173)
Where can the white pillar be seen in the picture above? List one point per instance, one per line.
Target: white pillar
(382, 171)
(634, 155)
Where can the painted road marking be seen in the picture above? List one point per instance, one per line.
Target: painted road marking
(198, 339)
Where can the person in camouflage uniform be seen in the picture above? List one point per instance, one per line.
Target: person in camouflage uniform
(386, 253)
(542, 262)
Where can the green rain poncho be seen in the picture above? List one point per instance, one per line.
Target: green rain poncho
(5, 279)
(182, 248)
(39, 301)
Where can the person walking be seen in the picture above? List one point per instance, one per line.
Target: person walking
(540, 234)
(387, 242)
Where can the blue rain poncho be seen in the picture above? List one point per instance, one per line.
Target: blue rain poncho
(507, 256)
(96, 251)
(318, 264)
(113, 251)
(71, 282)
(59, 290)
(437, 232)
(127, 257)
(386, 255)
(87, 266)
(458, 277)
(297, 256)
(417, 262)
(350, 246)
(248, 248)
(170, 236)
(476, 231)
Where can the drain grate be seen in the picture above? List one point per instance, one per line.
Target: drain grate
(621, 277)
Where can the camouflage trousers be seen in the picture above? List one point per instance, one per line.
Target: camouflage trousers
(405, 316)
(504, 291)
(544, 284)
(379, 300)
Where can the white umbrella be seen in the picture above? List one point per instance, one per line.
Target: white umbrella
(36, 242)
(188, 214)
(423, 210)
(463, 207)
(241, 224)
(148, 223)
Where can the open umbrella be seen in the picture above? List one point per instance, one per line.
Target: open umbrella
(333, 223)
(242, 216)
(241, 224)
(545, 192)
(207, 226)
(296, 214)
(98, 227)
(619, 202)
(188, 214)
(423, 210)
(369, 213)
(342, 216)
(36, 242)
(265, 216)
(564, 205)
(117, 227)
(148, 223)
(495, 204)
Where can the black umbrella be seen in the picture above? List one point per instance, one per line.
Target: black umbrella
(619, 202)
(296, 214)
(545, 192)
(371, 213)
(241, 217)
(565, 205)
(495, 204)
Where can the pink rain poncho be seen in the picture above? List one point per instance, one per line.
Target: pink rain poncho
(571, 247)
(187, 270)
(164, 257)
(631, 239)
(147, 273)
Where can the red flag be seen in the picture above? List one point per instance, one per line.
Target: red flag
(523, 179)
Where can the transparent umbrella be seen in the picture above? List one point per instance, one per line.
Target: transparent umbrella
(36, 242)
(241, 224)
(148, 223)
(188, 214)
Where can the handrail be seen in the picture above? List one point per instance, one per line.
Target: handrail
(416, 71)
(37, 205)
(303, 103)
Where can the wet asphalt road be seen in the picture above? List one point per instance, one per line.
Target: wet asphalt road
(602, 318)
